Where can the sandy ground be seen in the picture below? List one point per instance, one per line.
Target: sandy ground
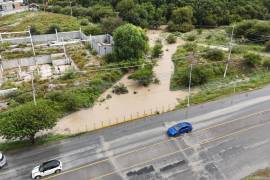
(156, 97)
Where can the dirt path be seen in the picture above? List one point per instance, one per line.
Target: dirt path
(120, 107)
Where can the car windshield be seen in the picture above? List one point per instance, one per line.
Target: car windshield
(41, 168)
(177, 127)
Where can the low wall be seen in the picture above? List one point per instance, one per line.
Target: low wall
(23, 62)
(44, 38)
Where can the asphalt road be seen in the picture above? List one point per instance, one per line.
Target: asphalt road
(230, 140)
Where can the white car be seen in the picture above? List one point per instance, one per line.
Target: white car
(47, 168)
(3, 160)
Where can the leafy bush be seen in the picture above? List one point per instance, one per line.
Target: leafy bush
(199, 31)
(191, 38)
(186, 27)
(252, 59)
(144, 76)
(200, 75)
(84, 22)
(266, 63)
(215, 55)
(52, 27)
(120, 89)
(92, 30)
(157, 50)
(253, 29)
(34, 30)
(110, 57)
(69, 75)
(171, 39)
(267, 46)
(190, 46)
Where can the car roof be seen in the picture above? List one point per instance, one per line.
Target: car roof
(51, 161)
(183, 124)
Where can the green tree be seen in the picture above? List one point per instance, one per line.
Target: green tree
(26, 120)
(130, 42)
(108, 25)
(181, 19)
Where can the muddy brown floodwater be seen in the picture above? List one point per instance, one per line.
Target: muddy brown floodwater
(119, 107)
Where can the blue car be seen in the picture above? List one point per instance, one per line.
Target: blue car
(180, 128)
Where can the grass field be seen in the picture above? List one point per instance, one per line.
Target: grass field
(261, 174)
(40, 20)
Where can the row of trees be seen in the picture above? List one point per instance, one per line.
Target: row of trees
(152, 13)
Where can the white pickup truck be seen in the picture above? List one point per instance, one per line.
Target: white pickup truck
(3, 160)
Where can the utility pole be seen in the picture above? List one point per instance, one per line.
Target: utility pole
(33, 88)
(189, 84)
(189, 89)
(230, 52)
(71, 12)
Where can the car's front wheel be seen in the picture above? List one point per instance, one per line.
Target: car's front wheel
(38, 177)
(57, 171)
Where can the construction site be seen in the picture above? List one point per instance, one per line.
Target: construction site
(45, 56)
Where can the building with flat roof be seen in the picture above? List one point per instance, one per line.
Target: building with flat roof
(11, 7)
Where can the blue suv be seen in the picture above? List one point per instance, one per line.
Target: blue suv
(180, 128)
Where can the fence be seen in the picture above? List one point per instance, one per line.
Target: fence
(120, 120)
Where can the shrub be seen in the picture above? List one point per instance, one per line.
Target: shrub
(92, 30)
(186, 27)
(252, 59)
(190, 46)
(110, 57)
(191, 38)
(69, 75)
(34, 30)
(172, 27)
(199, 31)
(157, 50)
(52, 27)
(200, 75)
(144, 76)
(266, 63)
(215, 55)
(171, 39)
(267, 46)
(120, 89)
(84, 22)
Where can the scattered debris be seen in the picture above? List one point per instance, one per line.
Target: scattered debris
(120, 89)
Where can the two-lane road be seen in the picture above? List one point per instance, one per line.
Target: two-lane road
(230, 140)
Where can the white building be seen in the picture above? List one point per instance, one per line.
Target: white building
(11, 7)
